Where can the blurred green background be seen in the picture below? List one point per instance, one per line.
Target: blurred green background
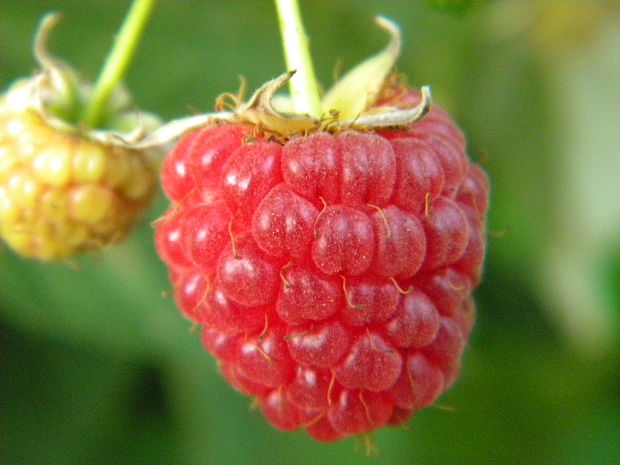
(97, 366)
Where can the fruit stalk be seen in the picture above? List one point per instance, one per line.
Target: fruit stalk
(304, 87)
(118, 60)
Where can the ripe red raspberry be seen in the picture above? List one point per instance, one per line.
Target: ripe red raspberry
(331, 271)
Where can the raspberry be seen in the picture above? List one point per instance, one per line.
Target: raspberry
(331, 272)
(69, 184)
(330, 260)
(61, 193)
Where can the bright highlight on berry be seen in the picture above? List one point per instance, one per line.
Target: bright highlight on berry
(329, 261)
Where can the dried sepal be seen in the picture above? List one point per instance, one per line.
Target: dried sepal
(260, 111)
(384, 117)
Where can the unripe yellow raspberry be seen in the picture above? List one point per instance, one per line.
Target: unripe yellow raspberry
(72, 179)
(62, 193)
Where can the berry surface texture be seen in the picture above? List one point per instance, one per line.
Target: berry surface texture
(331, 271)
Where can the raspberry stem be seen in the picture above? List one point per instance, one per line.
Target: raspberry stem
(304, 86)
(118, 60)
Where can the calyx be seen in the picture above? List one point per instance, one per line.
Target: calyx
(59, 96)
(351, 103)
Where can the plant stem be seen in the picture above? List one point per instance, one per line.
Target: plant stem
(118, 60)
(303, 85)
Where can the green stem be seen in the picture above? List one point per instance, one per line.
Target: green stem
(304, 87)
(118, 60)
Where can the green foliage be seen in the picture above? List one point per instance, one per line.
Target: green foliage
(98, 367)
(454, 6)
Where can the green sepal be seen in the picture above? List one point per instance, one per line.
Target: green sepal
(358, 89)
